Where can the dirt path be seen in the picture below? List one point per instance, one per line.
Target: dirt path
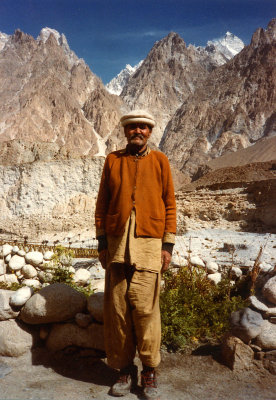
(42, 376)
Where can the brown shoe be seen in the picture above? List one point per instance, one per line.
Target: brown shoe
(149, 384)
(127, 380)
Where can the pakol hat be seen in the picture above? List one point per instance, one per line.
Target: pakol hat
(137, 116)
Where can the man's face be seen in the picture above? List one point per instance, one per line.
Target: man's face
(137, 134)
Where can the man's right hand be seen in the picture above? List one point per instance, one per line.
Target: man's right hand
(103, 258)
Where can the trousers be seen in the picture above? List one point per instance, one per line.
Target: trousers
(131, 316)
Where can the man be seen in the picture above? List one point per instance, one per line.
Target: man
(136, 223)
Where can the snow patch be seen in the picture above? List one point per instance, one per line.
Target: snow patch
(116, 85)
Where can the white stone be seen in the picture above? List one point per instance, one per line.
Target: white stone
(21, 253)
(7, 249)
(81, 276)
(269, 290)
(265, 267)
(53, 303)
(258, 304)
(32, 283)
(48, 255)
(71, 269)
(7, 258)
(235, 272)
(212, 267)
(95, 305)
(197, 261)
(34, 257)
(6, 312)
(29, 271)
(45, 276)
(16, 263)
(267, 338)
(3, 268)
(9, 278)
(15, 338)
(20, 297)
(97, 271)
(15, 249)
(216, 277)
(98, 285)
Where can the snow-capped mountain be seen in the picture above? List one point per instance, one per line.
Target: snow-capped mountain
(116, 85)
(225, 48)
(3, 40)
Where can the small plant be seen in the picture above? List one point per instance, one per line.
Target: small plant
(194, 309)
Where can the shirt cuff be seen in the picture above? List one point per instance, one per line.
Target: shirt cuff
(168, 238)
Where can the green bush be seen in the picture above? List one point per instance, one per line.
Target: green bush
(194, 309)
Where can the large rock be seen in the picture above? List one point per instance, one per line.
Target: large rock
(212, 267)
(8, 279)
(98, 285)
(21, 296)
(95, 306)
(216, 277)
(267, 338)
(7, 249)
(236, 354)
(53, 303)
(3, 267)
(6, 312)
(70, 334)
(82, 276)
(269, 290)
(29, 271)
(15, 338)
(16, 263)
(246, 324)
(34, 258)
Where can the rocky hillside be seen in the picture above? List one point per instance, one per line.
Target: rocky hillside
(49, 95)
(234, 108)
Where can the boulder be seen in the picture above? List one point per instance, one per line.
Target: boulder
(70, 334)
(7, 249)
(235, 273)
(82, 277)
(16, 263)
(236, 355)
(19, 298)
(34, 258)
(269, 290)
(212, 267)
(98, 285)
(34, 283)
(3, 268)
(6, 311)
(216, 277)
(48, 255)
(197, 261)
(7, 258)
(21, 253)
(9, 279)
(267, 338)
(269, 361)
(15, 338)
(83, 320)
(95, 305)
(257, 304)
(15, 249)
(246, 324)
(29, 271)
(53, 303)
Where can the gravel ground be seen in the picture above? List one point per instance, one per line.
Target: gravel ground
(200, 376)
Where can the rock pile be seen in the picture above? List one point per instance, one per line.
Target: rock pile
(57, 314)
(253, 329)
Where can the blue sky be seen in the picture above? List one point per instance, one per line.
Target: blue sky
(108, 34)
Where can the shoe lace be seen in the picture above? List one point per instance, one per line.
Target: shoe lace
(149, 379)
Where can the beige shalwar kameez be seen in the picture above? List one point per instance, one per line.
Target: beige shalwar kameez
(131, 309)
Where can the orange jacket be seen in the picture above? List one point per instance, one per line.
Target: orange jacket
(140, 182)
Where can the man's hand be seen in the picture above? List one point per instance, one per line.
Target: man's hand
(165, 259)
(103, 257)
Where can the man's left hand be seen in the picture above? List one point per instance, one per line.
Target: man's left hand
(165, 259)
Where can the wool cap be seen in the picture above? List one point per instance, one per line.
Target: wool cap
(137, 116)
